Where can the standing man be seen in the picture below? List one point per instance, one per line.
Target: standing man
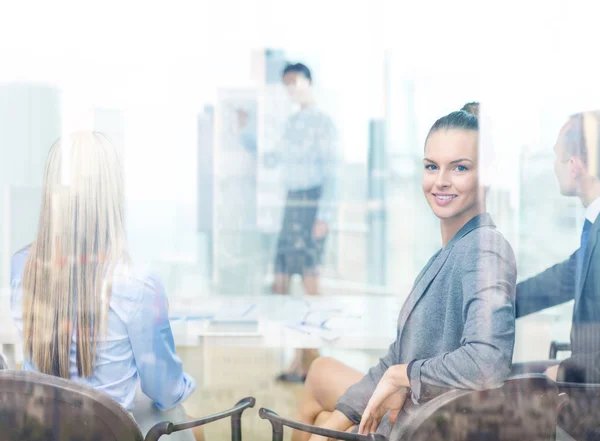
(578, 278)
(308, 155)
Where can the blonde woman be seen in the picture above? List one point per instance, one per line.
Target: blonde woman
(85, 312)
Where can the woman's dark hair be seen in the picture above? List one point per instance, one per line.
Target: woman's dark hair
(472, 108)
(298, 68)
(463, 119)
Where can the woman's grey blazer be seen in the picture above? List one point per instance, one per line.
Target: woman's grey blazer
(457, 326)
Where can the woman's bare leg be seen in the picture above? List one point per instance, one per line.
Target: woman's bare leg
(197, 431)
(322, 418)
(327, 381)
(308, 356)
(311, 284)
(281, 284)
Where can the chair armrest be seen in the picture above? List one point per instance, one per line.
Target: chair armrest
(3, 362)
(590, 387)
(556, 347)
(167, 427)
(518, 393)
(278, 423)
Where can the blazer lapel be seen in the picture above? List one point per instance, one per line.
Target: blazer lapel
(421, 286)
(425, 269)
(429, 273)
(587, 259)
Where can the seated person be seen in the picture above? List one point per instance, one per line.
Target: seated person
(84, 311)
(577, 278)
(457, 326)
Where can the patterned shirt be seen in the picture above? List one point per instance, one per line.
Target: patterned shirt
(308, 155)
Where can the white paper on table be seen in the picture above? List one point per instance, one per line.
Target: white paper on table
(329, 324)
(331, 319)
(325, 334)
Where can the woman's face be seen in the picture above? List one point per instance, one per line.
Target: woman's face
(450, 178)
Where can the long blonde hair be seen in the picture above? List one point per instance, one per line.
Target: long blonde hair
(67, 278)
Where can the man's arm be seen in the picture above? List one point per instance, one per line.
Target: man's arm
(549, 288)
(330, 165)
(584, 365)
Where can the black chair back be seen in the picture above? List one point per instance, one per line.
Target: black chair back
(524, 408)
(36, 407)
(39, 407)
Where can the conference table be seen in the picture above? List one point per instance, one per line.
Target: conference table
(263, 321)
(363, 322)
(277, 321)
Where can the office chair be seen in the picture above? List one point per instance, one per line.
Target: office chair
(3, 362)
(524, 408)
(37, 407)
(278, 423)
(556, 347)
(579, 414)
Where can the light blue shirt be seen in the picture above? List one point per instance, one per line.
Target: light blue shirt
(308, 154)
(138, 346)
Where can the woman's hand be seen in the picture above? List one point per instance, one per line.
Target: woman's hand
(390, 395)
(320, 229)
(552, 372)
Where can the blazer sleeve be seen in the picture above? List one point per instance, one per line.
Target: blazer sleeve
(354, 401)
(483, 360)
(549, 288)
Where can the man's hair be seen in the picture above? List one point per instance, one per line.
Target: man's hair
(298, 68)
(582, 139)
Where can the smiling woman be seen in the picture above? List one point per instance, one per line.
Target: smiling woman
(456, 329)
(450, 179)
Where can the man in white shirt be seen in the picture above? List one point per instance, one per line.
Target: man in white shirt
(576, 167)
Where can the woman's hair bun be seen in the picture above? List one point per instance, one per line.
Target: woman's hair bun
(471, 108)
